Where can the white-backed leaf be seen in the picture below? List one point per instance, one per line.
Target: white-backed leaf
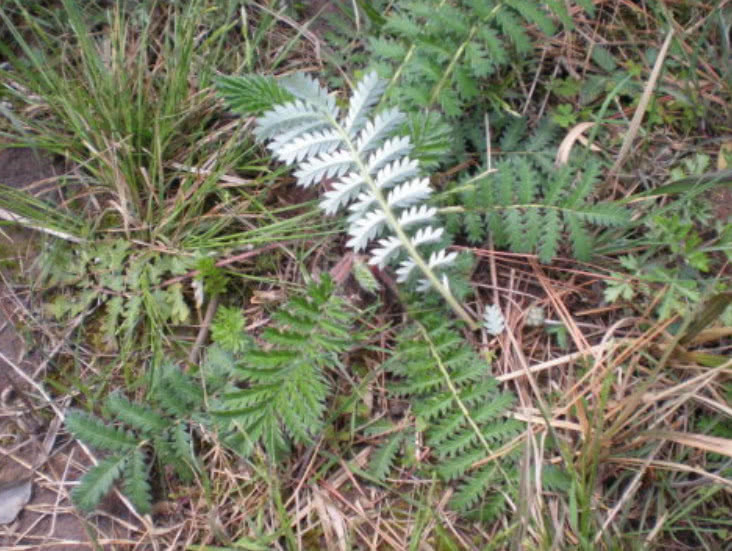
(396, 172)
(409, 193)
(493, 320)
(391, 246)
(325, 165)
(342, 192)
(393, 149)
(309, 89)
(291, 133)
(388, 247)
(439, 259)
(363, 204)
(359, 153)
(425, 285)
(377, 129)
(405, 268)
(294, 117)
(416, 215)
(426, 235)
(365, 229)
(306, 145)
(366, 95)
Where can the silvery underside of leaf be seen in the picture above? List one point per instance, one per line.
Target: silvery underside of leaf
(368, 171)
(493, 320)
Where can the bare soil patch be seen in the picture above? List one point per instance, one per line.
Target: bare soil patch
(32, 444)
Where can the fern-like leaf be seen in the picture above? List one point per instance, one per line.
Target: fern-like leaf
(364, 277)
(136, 486)
(173, 448)
(177, 393)
(457, 405)
(138, 416)
(374, 176)
(251, 94)
(478, 487)
(160, 427)
(550, 239)
(100, 435)
(439, 53)
(182, 448)
(532, 12)
(368, 93)
(528, 208)
(383, 458)
(279, 394)
(97, 482)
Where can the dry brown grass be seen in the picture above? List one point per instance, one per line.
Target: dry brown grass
(617, 408)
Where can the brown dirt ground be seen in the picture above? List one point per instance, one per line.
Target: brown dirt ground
(32, 442)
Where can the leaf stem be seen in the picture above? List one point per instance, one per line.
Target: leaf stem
(456, 396)
(400, 233)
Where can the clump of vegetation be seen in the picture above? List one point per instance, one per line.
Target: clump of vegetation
(160, 426)
(267, 394)
(427, 305)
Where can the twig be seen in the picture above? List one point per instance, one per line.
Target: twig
(204, 330)
(640, 110)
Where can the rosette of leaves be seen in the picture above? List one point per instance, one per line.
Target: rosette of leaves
(369, 171)
(459, 409)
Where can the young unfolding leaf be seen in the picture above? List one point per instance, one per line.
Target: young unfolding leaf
(493, 321)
